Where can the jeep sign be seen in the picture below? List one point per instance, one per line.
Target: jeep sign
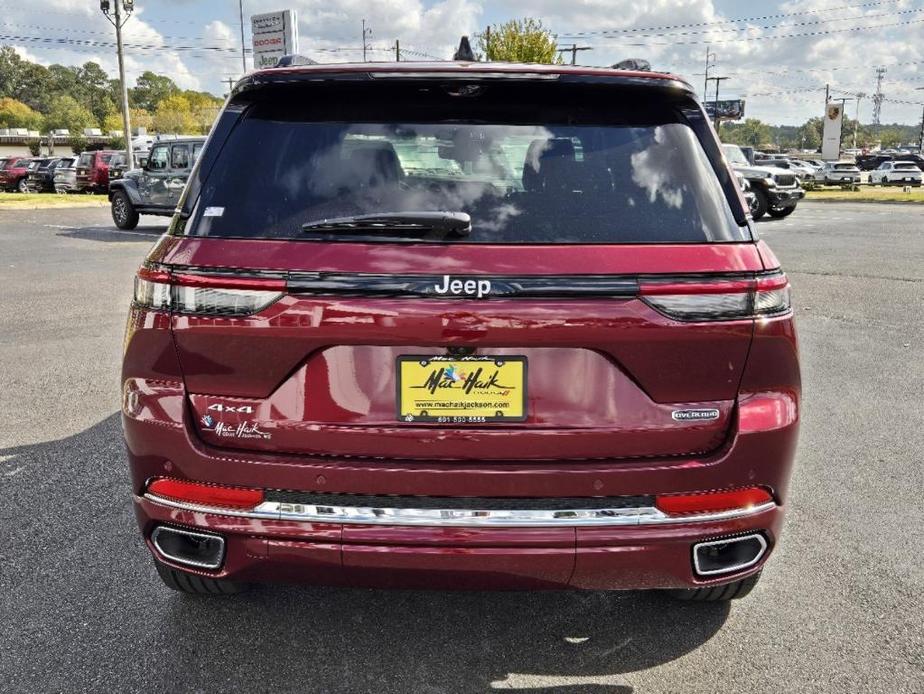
(275, 34)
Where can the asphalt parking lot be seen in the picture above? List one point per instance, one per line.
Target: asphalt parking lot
(839, 608)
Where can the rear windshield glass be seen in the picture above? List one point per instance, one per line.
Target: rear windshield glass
(642, 180)
(906, 167)
(844, 167)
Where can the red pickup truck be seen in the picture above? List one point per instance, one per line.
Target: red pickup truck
(14, 174)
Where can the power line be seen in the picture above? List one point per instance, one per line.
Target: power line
(790, 25)
(773, 37)
(727, 21)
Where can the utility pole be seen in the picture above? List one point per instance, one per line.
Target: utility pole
(117, 21)
(878, 96)
(574, 51)
(856, 123)
(366, 34)
(715, 114)
(398, 51)
(921, 142)
(240, 6)
(709, 56)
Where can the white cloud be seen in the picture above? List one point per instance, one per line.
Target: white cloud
(776, 73)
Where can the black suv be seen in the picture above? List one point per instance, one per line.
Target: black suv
(42, 177)
(155, 188)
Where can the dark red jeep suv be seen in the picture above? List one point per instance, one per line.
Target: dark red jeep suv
(461, 325)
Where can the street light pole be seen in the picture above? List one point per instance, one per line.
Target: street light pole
(117, 21)
(709, 56)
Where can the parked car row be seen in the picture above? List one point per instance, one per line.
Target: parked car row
(89, 172)
(776, 190)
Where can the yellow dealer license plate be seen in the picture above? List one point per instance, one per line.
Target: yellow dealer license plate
(469, 390)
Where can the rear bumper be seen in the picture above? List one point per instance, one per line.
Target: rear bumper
(599, 558)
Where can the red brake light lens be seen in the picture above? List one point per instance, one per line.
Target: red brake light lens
(214, 295)
(206, 494)
(720, 299)
(712, 502)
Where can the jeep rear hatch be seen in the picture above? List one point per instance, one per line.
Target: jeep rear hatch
(604, 295)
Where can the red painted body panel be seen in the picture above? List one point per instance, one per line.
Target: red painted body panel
(463, 259)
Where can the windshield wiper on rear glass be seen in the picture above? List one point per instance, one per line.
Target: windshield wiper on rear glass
(394, 226)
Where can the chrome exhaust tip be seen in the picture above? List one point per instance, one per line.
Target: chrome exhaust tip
(199, 550)
(728, 555)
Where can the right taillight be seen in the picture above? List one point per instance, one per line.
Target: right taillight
(720, 299)
(214, 295)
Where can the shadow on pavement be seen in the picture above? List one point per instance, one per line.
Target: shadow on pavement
(142, 233)
(83, 609)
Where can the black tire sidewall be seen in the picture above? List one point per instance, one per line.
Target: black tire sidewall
(762, 204)
(131, 216)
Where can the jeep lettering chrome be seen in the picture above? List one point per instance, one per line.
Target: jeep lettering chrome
(478, 288)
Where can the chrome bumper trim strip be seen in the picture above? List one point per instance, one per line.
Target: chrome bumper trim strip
(276, 510)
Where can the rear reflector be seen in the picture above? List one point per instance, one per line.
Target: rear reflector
(214, 295)
(711, 502)
(206, 494)
(704, 300)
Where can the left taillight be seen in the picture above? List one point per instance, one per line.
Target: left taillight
(214, 295)
(719, 299)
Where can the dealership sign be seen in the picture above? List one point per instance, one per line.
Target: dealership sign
(731, 109)
(275, 34)
(831, 138)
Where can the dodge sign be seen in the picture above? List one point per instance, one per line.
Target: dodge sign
(275, 34)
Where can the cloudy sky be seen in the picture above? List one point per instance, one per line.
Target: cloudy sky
(778, 55)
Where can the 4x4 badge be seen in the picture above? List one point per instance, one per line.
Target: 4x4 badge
(695, 415)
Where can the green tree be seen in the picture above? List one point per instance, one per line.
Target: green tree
(519, 41)
(141, 118)
(890, 137)
(204, 108)
(78, 143)
(150, 89)
(112, 121)
(94, 91)
(15, 114)
(174, 115)
(66, 112)
(752, 132)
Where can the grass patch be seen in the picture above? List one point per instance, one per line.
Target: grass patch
(867, 194)
(37, 201)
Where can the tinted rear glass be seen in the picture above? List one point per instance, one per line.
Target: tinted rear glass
(639, 176)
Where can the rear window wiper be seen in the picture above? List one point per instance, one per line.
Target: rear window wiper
(395, 226)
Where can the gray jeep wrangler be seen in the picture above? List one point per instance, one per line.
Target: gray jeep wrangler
(155, 188)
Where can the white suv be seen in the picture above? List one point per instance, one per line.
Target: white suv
(897, 172)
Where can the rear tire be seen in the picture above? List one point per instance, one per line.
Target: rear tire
(22, 186)
(124, 213)
(785, 212)
(761, 204)
(192, 584)
(723, 593)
